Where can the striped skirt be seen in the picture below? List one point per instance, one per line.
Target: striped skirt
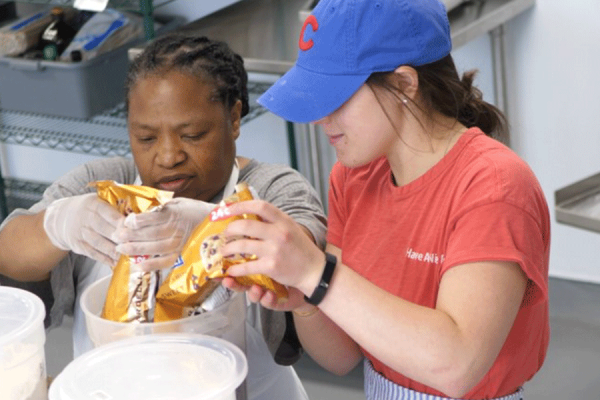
(378, 387)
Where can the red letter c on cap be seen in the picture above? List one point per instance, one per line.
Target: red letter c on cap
(312, 21)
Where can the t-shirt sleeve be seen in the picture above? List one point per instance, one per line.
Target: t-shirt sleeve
(503, 232)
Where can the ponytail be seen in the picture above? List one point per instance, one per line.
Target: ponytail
(443, 90)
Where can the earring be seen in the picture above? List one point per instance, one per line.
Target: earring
(404, 101)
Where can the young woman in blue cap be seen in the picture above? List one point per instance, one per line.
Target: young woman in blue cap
(435, 271)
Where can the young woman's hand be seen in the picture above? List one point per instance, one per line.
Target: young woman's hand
(162, 233)
(283, 249)
(266, 298)
(84, 224)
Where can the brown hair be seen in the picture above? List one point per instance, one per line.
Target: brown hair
(442, 90)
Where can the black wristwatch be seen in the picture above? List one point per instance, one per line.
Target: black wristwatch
(321, 289)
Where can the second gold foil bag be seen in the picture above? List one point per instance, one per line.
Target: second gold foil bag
(193, 278)
(131, 293)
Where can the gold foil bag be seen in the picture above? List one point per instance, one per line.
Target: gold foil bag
(194, 276)
(131, 294)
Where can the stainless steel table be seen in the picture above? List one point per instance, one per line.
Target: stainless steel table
(578, 204)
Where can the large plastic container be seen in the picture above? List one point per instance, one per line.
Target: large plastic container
(157, 367)
(22, 338)
(79, 90)
(226, 321)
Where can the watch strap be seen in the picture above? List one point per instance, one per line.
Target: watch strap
(321, 289)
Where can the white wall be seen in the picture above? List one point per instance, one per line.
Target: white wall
(554, 99)
(477, 54)
(554, 89)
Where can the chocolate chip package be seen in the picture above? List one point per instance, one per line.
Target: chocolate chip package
(185, 288)
(195, 275)
(131, 294)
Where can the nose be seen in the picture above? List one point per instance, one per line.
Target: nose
(170, 152)
(326, 123)
(323, 121)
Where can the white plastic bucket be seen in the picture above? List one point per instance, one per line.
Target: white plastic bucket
(226, 321)
(22, 338)
(158, 367)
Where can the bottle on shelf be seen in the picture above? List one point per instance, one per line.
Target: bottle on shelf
(57, 35)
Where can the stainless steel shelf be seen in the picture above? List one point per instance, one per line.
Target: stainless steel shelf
(473, 18)
(578, 204)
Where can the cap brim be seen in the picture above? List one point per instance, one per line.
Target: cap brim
(303, 96)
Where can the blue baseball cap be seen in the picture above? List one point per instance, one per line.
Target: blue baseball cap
(343, 42)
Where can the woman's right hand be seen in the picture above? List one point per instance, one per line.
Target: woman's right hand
(84, 225)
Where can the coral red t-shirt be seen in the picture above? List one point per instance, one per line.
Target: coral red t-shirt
(480, 202)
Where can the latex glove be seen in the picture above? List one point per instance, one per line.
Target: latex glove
(161, 234)
(84, 224)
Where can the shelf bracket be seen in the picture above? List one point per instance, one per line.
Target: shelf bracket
(147, 10)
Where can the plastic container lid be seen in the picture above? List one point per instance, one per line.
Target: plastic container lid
(159, 367)
(21, 316)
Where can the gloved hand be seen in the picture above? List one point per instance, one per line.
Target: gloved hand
(161, 234)
(84, 224)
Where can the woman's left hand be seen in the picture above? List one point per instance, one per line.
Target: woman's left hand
(266, 298)
(284, 251)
